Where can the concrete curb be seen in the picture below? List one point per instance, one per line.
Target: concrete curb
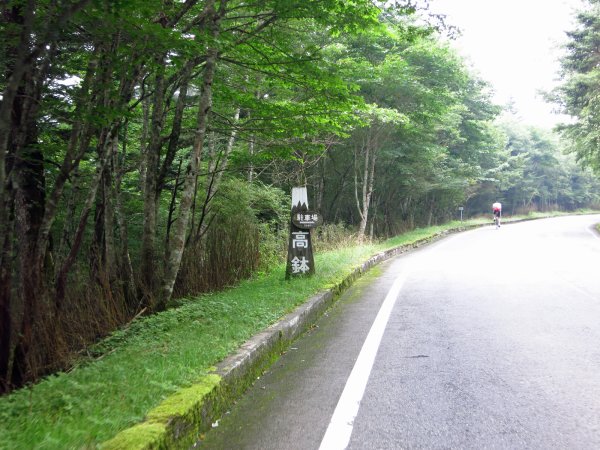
(180, 420)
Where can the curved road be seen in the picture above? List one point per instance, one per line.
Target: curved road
(486, 339)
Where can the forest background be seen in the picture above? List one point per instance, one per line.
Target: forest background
(148, 149)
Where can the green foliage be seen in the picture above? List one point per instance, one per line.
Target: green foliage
(579, 93)
(536, 175)
(253, 202)
(304, 92)
(440, 143)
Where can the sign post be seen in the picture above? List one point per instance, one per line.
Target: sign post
(461, 208)
(300, 259)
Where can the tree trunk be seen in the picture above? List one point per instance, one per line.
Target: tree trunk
(172, 207)
(29, 189)
(6, 314)
(104, 154)
(430, 213)
(148, 253)
(252, 142)
(109, 256)
(224, 160)
(176, 127)
(217, 167)
(79, 140)
(26, 54)
(321, 185)
(372, 223)
(178, 241)
(21, 17)
(368, 176)
(68, 229)
(28, 182)
(144, 142)
(125, 266)
(251, 165)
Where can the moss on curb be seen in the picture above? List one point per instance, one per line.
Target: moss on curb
(145, 435)
(184, 400)
(176, 422)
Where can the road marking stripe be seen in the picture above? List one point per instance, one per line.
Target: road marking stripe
(592, 232)
(340, 427)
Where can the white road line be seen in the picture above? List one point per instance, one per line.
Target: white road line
(338, 433)
(592, 232)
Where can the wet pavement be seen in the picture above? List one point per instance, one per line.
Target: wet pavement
(492, 343)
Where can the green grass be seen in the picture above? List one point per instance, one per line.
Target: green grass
(154, 357)
(132, 371)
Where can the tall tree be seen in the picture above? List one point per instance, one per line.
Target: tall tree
(91, 90)
(579, 93)
(30, 34)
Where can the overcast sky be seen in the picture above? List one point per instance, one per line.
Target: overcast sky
(515, 45)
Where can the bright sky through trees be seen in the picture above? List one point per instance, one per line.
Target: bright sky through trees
(515, 45)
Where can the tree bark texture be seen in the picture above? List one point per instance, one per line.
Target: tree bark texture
(216, 168)
(177, 242)
(368, 151)
(148, 256)
(25, 180)
(125, 266)
(104, 154)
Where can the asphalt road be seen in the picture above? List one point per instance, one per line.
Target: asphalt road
(486, 339)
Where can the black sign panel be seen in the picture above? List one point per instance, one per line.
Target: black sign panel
(307, 220)
(300, 252)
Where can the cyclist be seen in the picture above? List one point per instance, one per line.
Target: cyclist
(497, 209)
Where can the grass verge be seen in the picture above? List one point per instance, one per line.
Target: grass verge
(134, 370)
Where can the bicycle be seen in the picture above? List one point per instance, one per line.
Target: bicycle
(497, 221)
